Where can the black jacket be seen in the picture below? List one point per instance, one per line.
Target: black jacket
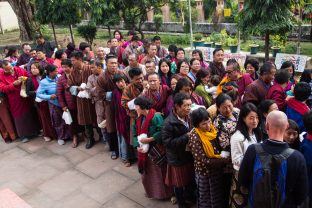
(175, 139)
(296, 181)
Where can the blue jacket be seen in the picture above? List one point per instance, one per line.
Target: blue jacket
(296, 116)
(306, 150)
(47, 87)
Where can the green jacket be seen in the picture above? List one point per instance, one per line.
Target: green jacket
(153, 131)
(200, 90)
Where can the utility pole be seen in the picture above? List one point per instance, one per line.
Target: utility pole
(190, 21)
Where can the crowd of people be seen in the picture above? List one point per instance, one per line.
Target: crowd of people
(205, 133)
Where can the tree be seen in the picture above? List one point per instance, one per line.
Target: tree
(61, 12)
(134, 13)
(24, 10)
(101, 10)
(266, 17)
(308, 14)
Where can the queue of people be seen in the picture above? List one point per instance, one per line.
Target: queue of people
(200, 133)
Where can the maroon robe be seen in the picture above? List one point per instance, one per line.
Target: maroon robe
(159, 98)
(256, 92)
(277, 93)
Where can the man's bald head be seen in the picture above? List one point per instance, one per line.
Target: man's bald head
(276, 125)
(100, 53)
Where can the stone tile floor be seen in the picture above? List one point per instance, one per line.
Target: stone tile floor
(47, 175)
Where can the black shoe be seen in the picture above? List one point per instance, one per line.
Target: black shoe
(8, 140)
(90, 143)
(114, 155)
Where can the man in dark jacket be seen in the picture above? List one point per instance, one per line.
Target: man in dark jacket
(45, 46)
(175, 135)
(296, 177)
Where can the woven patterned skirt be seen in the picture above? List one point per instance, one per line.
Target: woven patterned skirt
(210, 190)
(238, 194)
(153, 180)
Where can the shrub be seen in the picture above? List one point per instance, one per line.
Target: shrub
(88, 32)
(198, 37)
(158, 21)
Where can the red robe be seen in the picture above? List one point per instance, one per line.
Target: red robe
(277, 93)
(159, 98)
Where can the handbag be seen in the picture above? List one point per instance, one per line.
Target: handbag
(157, 154)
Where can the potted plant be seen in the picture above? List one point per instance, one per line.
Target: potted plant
(278, 42)
(233, 44)
(254, 48)
(198, 40)
(208, 42)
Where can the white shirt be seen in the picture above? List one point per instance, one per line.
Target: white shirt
(239, 145)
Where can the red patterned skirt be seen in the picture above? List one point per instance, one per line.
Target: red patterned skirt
(179, 176)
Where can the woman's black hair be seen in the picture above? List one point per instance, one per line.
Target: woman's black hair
(241, 125)
(144, 102)
(40, 68)
(200, 53)
(199, 115)
(11, 50)
(222, 98)
(287, 64)
(121, 37)
(282, 76)
(59, 53)
(179, 49)
(67, 62)
(192, 60)
(159, 68)
(199, 75)
(265, 105)
(294, 126)
(306, 76)
(253, 62)
(118, 77)
(49, 69)
(180, 63)
(183, 82)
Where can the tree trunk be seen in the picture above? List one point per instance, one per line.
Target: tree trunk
(25, 13)
(311, 31)
(109, 32)
(266, 47)
(71, 34)
(54, 34)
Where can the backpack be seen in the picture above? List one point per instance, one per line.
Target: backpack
(268, 188)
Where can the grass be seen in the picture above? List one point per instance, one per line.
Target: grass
(181, 40)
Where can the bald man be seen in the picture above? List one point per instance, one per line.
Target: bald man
(100, 56)
(296, 177)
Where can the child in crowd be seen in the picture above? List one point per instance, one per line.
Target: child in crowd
(213, 85)
(291, 135)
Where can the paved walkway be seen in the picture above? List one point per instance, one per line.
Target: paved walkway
(47, 175)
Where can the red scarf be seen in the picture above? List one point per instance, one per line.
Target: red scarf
(143, 129)
(298, 106)
(309, 137)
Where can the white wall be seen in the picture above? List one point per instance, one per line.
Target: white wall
(8, 18)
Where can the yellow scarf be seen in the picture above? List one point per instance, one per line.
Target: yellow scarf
(205, 138)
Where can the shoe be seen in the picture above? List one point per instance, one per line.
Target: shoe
(47, 139)
(114, 155)
(61, 142)
(90, 143)
(25, 140)
(8, 140)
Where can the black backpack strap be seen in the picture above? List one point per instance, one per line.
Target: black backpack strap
(259, 149)
(286, 153)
